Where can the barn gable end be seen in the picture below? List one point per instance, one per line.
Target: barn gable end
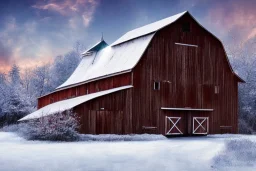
(193, 72)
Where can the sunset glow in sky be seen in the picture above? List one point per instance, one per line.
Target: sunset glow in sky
(33, 32)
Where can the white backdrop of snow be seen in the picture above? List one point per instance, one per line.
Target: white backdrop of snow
(188, 153)
(69, 103)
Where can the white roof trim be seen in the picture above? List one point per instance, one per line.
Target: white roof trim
(69, 103)
(189, 109)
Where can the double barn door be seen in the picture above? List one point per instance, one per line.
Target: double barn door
(186, 125)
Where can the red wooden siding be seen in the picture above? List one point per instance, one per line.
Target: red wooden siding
(107, 114)
(88, 88)
(187, 76)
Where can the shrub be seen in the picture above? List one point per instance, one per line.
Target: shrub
(61, 126)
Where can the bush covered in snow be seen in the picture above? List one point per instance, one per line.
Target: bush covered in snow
(237, 153)
(57, 127)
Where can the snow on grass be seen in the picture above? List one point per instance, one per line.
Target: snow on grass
(132, 137)
(174, 154)
(187, 153)
(238, 154)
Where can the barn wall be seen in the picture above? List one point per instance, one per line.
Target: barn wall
(187, 76)
(109, 114)
(88, 88)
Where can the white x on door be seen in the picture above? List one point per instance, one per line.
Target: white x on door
(200, 125)
(174, 130)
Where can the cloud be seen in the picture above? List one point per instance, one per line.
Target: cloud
(20, 43)
(85, 9)
(238, 18)
(5, 54)
(51, 6)
(9, 24)
(252, 34)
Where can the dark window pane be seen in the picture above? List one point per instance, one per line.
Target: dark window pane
(186, 27)
(156, 85)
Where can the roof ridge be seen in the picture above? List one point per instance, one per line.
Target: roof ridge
(147, 29)
(158, 21)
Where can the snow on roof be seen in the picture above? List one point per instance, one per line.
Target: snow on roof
(147, 29)
(120, 57)
(108, 61)
(69, 103)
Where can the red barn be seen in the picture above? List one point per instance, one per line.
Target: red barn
(171, 77)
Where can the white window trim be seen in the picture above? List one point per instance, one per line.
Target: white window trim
(187, 109)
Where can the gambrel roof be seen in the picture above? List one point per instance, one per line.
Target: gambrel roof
(121, 56)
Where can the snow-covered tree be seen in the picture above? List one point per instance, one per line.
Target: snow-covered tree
(41, 80)
(3, 94)
(15, 104)
(14, 75)
(63, 67)
(19, 90)
(243, 59)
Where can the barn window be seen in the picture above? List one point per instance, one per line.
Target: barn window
(217, 89)
(156, 85)
(186, 27)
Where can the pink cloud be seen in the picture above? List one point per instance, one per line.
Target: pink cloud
(239, 18)
(84, 8)
(51, 6)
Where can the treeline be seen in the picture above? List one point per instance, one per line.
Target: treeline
(19, 90)
(243, 59)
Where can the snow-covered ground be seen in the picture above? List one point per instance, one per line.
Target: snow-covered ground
(191, 153)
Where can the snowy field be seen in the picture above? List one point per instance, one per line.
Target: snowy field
(216, 152)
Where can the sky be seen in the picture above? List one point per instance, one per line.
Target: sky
(34, 32)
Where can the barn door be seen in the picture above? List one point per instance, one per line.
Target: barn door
(109, 122)
(200, 125)
(172, 126)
